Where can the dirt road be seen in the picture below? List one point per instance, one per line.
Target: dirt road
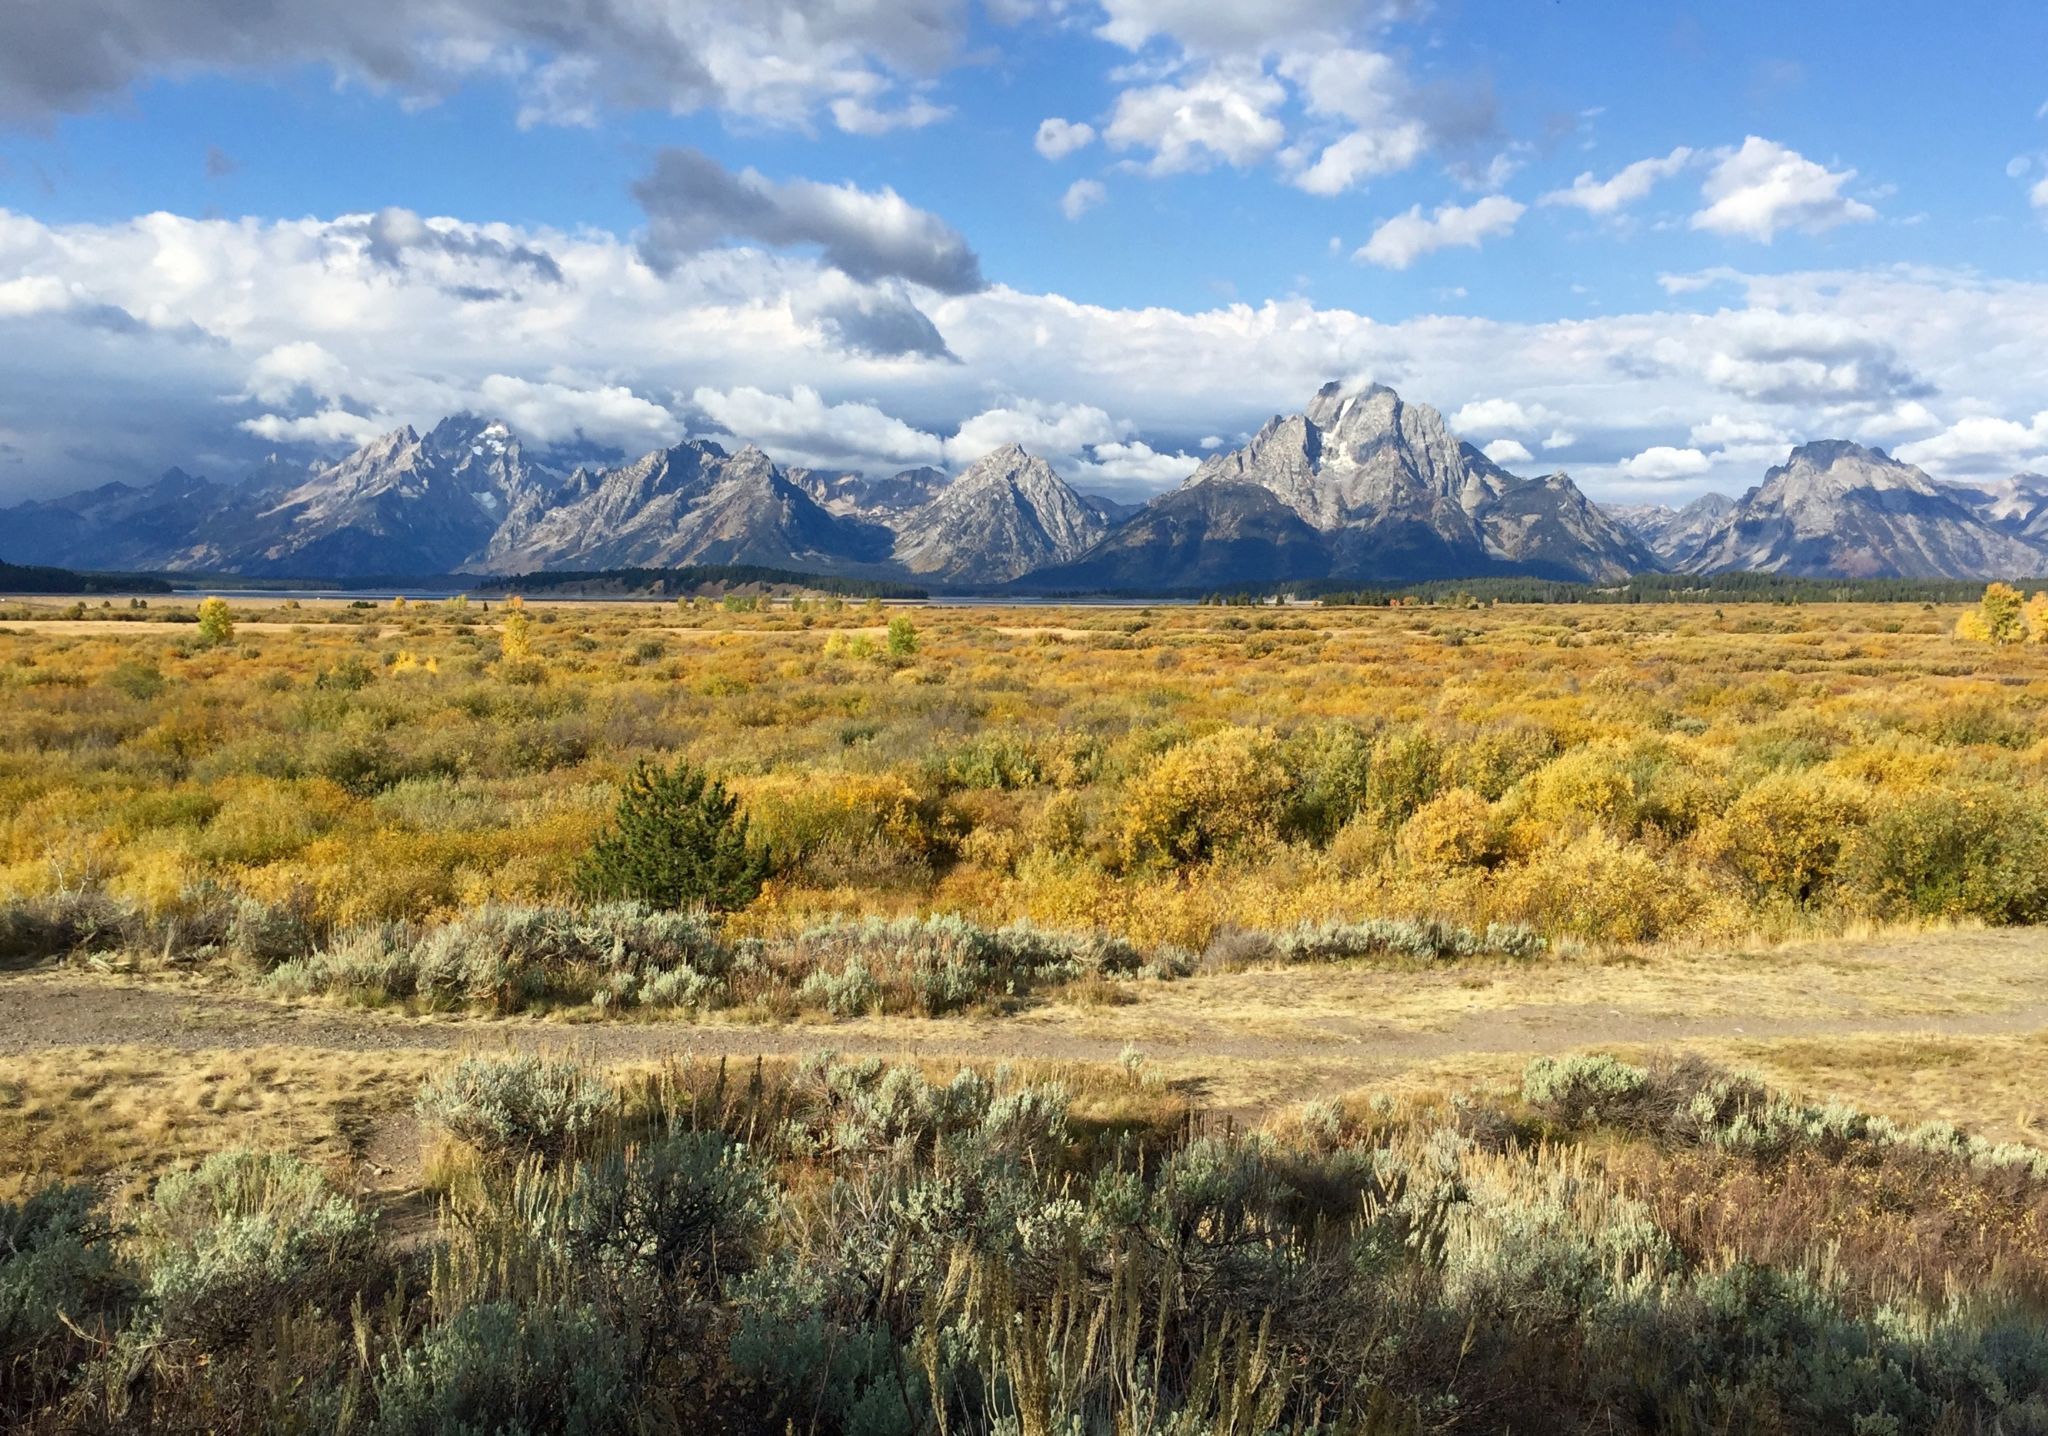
(1310, 1021)
(118, 1078)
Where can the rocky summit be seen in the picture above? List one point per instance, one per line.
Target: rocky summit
(1007, 515)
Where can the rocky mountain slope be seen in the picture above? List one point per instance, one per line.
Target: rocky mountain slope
(693, 503)
(2017, 506)
(401, 504)
(466, 498)
(876, 500)
(1379, 490)
(1216, 536)
(1835, 508)
(175, 522)
(1008, 514)
(1673, 533)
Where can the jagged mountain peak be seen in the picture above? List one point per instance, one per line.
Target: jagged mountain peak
(1823, 453)
(1006, 514)
(177, 481)
(689, 503)
(1335, 401)
(384, 446)
(1361, 485)
(1007, 464)
(471, 431)
(1834, 466)
(1361, 457)
(1399, 496)
(881, 500)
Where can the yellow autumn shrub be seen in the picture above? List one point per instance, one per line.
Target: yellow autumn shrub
(795, 813)
(1588, 785)
(1455, 829)
(1157, 772)
(1787, 832)
(1211, 795)
(1360, 845)
(1596, 887)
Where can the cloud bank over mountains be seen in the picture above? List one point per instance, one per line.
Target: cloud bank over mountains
(224, 338)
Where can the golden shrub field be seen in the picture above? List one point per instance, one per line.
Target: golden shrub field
(1619, 774)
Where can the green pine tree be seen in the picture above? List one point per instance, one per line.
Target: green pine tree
(678, 840)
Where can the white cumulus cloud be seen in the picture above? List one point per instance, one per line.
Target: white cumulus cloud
(1048, 429)
(803, 427)
(1363, 155)
(1133, 466)
(1058, 138)
(858, 117)
(1367, 91)
(1982, 446)
(1081, 196)
(1724, 429)
(161, 335)
(1402, 240)
(768, 61)
(1508, 451)
(326, 426)
(1621, 189)
(1909, 417)
(1500, 416)
(1662, 463)
(551, 411)
(1224, 114)
(1762, 188)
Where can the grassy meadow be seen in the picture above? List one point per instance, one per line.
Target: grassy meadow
(1456, 1018)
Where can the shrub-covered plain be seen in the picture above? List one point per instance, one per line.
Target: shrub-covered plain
(1617, 774)
(851, 1247)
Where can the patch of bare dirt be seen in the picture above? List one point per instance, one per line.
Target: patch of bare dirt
(48, 1010)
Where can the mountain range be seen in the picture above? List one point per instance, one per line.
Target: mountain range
(1361, 486)
(1837, 509)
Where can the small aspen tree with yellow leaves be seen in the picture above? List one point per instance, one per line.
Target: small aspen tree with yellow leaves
(1997, 618)
(515, 637)
(216, 624)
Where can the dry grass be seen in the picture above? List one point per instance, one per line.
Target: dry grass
(1991, 1085)
(122, 1116)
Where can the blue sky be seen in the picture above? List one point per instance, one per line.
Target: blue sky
(879, 252)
